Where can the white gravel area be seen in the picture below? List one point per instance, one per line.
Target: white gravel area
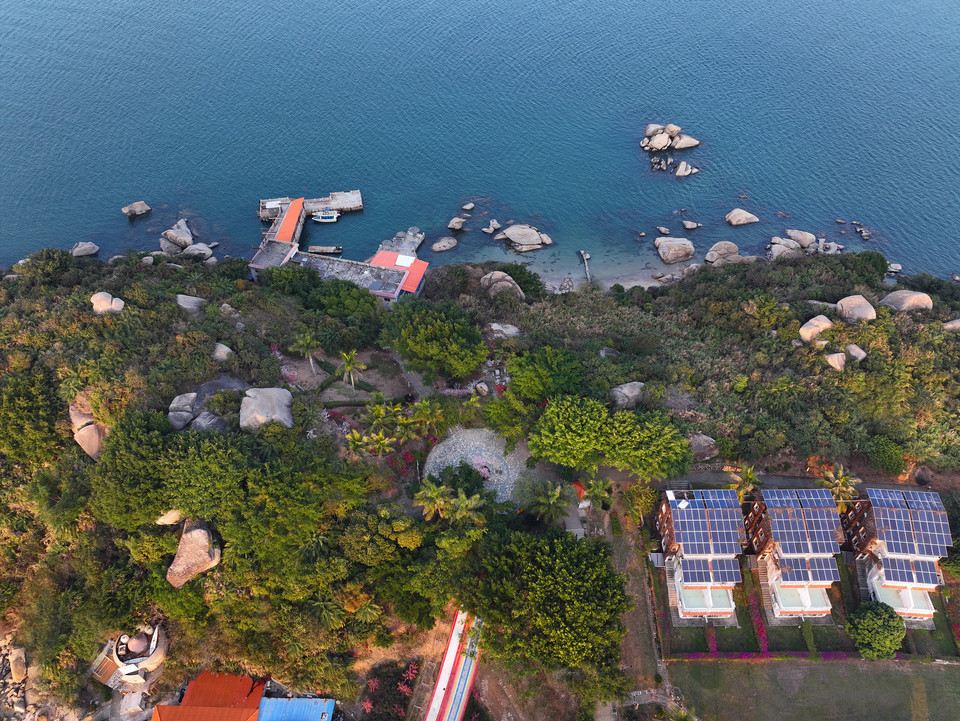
(484, 450)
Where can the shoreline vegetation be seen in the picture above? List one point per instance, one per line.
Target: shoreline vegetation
(239, 462)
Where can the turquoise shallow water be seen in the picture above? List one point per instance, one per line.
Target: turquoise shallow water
(534, 110)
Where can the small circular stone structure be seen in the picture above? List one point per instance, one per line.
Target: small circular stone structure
(484, 450)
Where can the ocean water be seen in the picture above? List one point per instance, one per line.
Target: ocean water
(533, 110)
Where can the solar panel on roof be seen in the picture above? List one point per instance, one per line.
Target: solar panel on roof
(898, 570)
(824, 569)
(926, 572)
(781, 499)
(794, 570)
(932, 532)
(695, 570)
(894, 527)
(816, 498)
(725, 570)
(720, 498)
(726, 530)
(886, 499)
(821, 525)
(923, 500)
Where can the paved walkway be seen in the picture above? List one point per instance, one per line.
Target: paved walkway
(457, 672)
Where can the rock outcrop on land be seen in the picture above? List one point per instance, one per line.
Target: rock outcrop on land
(703, 446)
(502, 331)
(738, 216)
(266, 405)
(443, 244)
(837, 361)
(179, 234)
(198, 250)
(524, 238)
(103, 302)
(802, 237)
(674, 250)
(855, 308)
(499, 282)
(190, 303)
(87, 433)
(222, 353)
(135, 209)
(907, 300)
(814, 327)
(784, 248)
(856, 352)
(627, 396)
(197, 552)
(952, 326)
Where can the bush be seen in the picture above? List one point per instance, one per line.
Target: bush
(876, 629)
(437, 338)
(544, 373)
(886, 455)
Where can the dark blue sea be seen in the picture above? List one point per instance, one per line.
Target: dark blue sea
(533, 110)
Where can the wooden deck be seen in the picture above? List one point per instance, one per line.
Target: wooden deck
(344, 201)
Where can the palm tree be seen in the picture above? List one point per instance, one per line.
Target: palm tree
(598, 492)
(550, 503)
(356, 442)
(682, 714)
(350, 368)
(368, 612)
(330, 613)
(380, 444)
(746, 483)
(840, 484)
(376, 416)
(436, 500)
(467, 509)
(428, 414)
(306, 345)
(406, 430)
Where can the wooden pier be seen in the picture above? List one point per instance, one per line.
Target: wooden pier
(586, 264)
(345, 201)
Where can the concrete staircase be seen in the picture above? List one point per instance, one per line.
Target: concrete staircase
(861, 564)
(670, 567)
(765, 595)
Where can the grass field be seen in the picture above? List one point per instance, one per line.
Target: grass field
(798, 690)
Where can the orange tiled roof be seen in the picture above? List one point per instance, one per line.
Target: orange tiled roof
(223, 690)
(415, 271)
(290, 220)
(203, 713)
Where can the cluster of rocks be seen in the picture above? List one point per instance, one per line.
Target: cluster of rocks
(857, 309)
(524, 238)
(456, 224)
(13, 676)
(189, 409)
(726, 252)
(179, 241)
(499, 282)
(664, 138)
(88, 434)
(799, 243)
(104, 303)
(492, 227)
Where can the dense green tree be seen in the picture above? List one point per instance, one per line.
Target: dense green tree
(437, 338)
(876, 629)
(649, 445)
(544, 373)
(28, 415)
(746, 483)
(571, 432)
(206, 474)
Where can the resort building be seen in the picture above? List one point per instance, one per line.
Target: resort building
(796, 535)
(899, 538)
(702, 535)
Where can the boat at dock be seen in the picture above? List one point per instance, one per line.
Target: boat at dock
(327, 215)
(325, 249)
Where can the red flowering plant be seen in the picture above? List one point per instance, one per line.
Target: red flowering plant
(388, 691)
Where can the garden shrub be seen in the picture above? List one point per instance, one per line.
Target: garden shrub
(886, 455)
(876, 629)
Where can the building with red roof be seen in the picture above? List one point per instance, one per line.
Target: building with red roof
(413, 267)
(215, 697)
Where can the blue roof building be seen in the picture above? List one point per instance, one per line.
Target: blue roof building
(296, 709)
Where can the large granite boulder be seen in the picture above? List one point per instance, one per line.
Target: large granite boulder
(18, 665)
(90, 439)
(208, 421)
(837, 361)
(721, 251)
(674, 250)
(502, 331)
(855, 308)
(814, 327)
(190, 303)
(802, 237)
(738, 216)
(79, 418)
(445, 244)
(660, 141)
(627, 396)
(222, 353)
(952, 326)
(179, 234)
(455, 224)
(856, 352)
(691, 224)
(704, 447)
(652, 129)
(682, 142)
(672, 129)
(103, 303)
(499, 282)
(685, 169)
(907, 300)
(525, 237)
(182, 410)
(170, 249)
(170, 518)
(196, 553)
(266, 405)
(201, 251)
(84, 248)
(135, 209)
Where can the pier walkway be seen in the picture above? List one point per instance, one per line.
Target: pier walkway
(457, 672)
(344, 201)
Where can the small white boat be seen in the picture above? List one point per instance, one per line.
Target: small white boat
(326, 216)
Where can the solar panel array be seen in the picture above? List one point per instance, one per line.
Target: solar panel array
(903, 570)
(799, 570)
(710, 524)
(714, 571)
(803, 521)
(911, 523)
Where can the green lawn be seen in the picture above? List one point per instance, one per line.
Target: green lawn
(785, 638)
(938, 643)
(800, 690)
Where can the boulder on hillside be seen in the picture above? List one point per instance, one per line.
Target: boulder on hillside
(84, 248)
(266, 405)
(179, 234)
(738, 216)
(907, 300)
(18, 665)
(704, 447)
(222, 353)
(856, 352)
(90, 439)
(196, 553)
(814, 327)
(170, 518)
(855, 308)
(952, 326)
(499, 282)
(198, 250)
(674, 250)
(627, 396)
(79, 418)
(802, 237)
(208, 421)
(170, 249)
(446, 244)
(135, 209)
(190, 303)
(837, 361)
(103, 302)
(503, 331)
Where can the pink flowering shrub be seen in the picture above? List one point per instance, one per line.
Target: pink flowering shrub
(712, 640)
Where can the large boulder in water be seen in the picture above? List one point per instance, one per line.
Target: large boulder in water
(525, 237)
(196, 553)
(447, 243)
(84, 248)
(660, 141)
(179, 234)
(266, 405)
(682, 142)
(652, 129)
(908, 300)
(135, 209)
(674, 250)
(738, 216)
(721, 251)
(855, 308)
(802, 237)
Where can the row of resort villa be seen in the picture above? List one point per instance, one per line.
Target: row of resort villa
(393, 272)
(896, 538)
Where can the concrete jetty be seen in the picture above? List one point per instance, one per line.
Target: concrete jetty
(344, 201)
(586, 264)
